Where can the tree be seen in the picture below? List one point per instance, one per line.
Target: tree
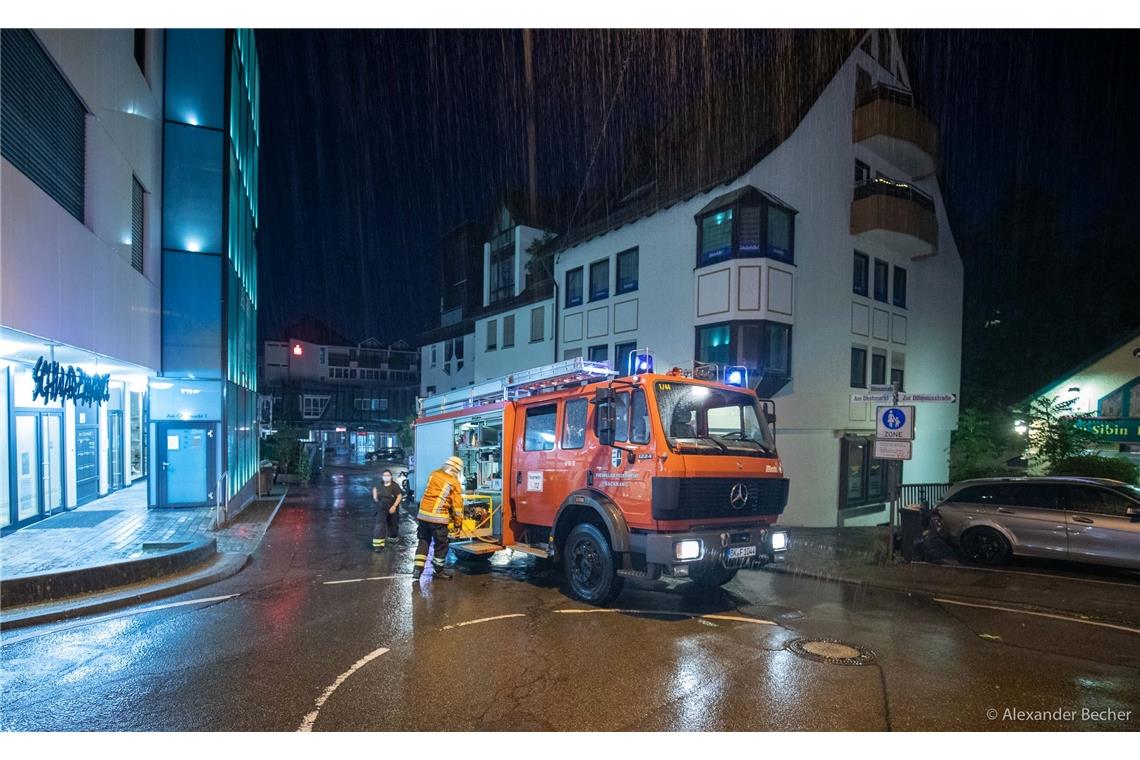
(1054, 432)
(973, 450)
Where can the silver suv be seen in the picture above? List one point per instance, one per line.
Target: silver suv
(1082, 519)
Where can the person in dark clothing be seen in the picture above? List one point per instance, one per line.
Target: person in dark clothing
(387, 496)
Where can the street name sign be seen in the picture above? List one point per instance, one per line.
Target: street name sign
(892, 449)
(883, 397)
(894, 423)
(928, 398)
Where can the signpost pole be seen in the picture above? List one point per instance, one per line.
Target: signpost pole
(893, 495)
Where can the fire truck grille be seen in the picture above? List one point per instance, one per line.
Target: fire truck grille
(686, 498)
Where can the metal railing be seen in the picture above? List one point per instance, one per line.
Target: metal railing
(887, 186)
(927, 494)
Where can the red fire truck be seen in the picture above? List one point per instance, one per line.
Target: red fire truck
(613, 477)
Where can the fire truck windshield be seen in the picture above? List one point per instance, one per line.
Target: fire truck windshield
(702, 420)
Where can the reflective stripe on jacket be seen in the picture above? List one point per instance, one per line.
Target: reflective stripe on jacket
(442, 501)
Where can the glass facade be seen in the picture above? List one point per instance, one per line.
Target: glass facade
(210, 216)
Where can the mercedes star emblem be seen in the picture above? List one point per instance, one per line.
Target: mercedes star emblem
(738, 497)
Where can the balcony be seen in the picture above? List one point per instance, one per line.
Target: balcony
(896, 216)
(887, 123)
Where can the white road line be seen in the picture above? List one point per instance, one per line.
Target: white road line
(358, 580)
(755, 621)
(483, 620)
(307, 724)
(1041, 614)
(117, 615)
(1038, 575)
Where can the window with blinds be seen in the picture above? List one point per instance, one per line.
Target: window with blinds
(42, 120)
(137, 226)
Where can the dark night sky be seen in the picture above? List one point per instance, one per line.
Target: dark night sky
(377, 142)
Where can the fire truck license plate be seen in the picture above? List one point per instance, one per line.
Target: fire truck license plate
(741, 551)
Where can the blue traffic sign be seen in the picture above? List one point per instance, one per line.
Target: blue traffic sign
(894, 418)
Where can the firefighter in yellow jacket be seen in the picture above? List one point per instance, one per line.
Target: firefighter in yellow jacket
(440, 508)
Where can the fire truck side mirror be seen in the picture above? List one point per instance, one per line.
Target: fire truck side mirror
(605, 416)
(769, 407)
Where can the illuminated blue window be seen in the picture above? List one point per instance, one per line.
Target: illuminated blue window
(192, 190)
(191, 319)
(195, 77)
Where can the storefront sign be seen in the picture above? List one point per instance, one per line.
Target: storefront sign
(1120, 430)
(54, 382)
(186, 400)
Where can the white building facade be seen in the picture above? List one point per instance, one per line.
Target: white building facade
(826, 267)
(80, 257)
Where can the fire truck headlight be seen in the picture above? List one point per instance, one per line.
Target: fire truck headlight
(684, 550)
(779, 541)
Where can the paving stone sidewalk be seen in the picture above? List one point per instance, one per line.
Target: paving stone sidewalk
(119, 527)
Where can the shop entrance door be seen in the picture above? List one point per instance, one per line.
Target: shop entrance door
(185, 464)
(38, 465)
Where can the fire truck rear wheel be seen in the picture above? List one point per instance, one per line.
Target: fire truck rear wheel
(711, 576)
(591, 570)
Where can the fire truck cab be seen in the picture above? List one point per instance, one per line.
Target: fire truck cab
(613, 477)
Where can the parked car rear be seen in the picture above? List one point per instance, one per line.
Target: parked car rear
(1065, 518)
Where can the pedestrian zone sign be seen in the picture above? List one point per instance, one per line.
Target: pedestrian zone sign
(894, 423)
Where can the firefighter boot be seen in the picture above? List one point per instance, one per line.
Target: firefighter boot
(441, 570)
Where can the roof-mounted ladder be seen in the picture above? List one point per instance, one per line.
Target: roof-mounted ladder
(529, 382)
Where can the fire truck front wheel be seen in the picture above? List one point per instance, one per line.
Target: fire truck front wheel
(591, 569)
(711, 575)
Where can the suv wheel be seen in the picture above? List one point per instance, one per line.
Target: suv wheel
(985, 546)
(591, 571)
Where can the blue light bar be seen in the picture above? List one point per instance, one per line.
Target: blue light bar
(736, 376)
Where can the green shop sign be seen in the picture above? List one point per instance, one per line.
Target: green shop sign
(1122, 430)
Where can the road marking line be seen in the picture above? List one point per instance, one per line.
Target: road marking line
(117, 615)
(483, 620)
(358, 580)
(307, 724)
(755, 621)
(1041, 614)
(1036, 575)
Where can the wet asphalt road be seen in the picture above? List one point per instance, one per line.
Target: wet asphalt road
(319, 633)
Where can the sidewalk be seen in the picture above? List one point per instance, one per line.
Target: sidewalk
(114, 551)
(859, 556)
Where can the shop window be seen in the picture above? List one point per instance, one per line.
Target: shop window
(882, 271)
(858, 367)
(538, 434)
(574, 287)
(864, 480)
(859, 278)
(574, 424)
(600, 280)
(899, 295)
(627, 271)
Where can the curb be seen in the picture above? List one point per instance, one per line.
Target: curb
(932, 593)
(221, 567)
(48, 587)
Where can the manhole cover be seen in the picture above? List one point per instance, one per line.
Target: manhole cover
(831, 651)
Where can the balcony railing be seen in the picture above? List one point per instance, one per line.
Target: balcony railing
(888, 93)
(895, 189)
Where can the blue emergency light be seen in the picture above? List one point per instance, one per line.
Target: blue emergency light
(736, 376)
(640, 361)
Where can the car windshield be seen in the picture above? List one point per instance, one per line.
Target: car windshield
(698, 419)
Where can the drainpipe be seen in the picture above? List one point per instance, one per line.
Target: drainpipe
(553, 267)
